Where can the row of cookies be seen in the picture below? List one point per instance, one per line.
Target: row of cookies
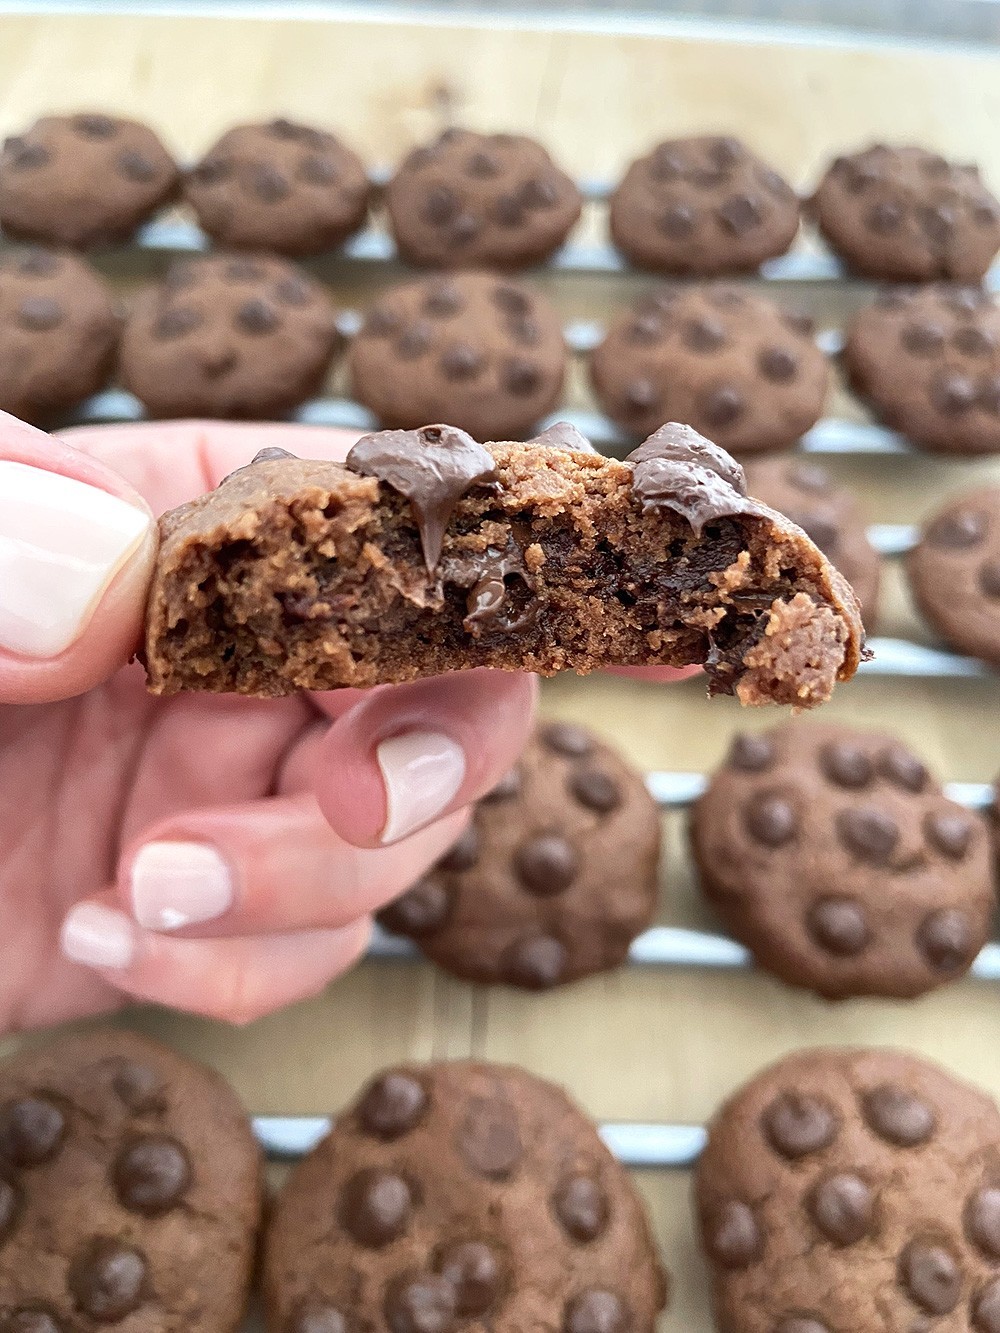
(831, 853)
(702, 205)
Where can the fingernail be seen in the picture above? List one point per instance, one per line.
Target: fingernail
(178, 884)
(61, 544)
(98, 936)
(422, 771)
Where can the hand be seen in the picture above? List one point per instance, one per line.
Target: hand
(211, 853)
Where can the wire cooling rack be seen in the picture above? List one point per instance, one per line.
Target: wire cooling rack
(677, 946)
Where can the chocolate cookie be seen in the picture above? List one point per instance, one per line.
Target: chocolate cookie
(427, 552)
(927, 362)
(704, 206)
(829, 514)
(835, 858)
(844, 1191)
(458, 1196)
(282, 187)
(954, 573)
(228, 336)
(130, 1191)
(491, 200)
(553, 878)
(480, 352)
(726, 362)
(904, 214)
(83, 180)
(58, 333)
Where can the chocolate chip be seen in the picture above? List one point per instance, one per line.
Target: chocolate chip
(641, 395)
(950, 832)
(778, 364)
(898, 1116)
(989, 578)
(33, 1320)
(902, 768)
(414, 342)
(37, 263)
(869, 833)
(257, 316)
(317, 170)
(392, 1105)
(678, 222)
(973, 341)
(423, 1303)
(645, 329)
(931, 1277)
(536, 963)
(23, 156)
(839, 925)
(986, 1308)
(595, 789)
(139, 1088)
(381, 321)
(539, 192)
(461, 361)
(596, 1311)
(484, 165)
(420, 911)
(151, 1174)
(982, 1221)
(521, 377)
(843, 1208)
(212, 171)
(489, 1139)
(667, 163)
(293, 291)
(318, 1319)
(884, 218)
(922, 339)
(177, 321)
(740, 214)
(800, 323)
(703, 334)
(581, 1207)
(464, 229)
(750, 754)
(796, 1124)
(506, 789)
(464, 854)
(723, 405)
(546, 864)
(945, 939)
(846, 764)
(511, 300)
(527, 332)
(937, 222)
(95, 126)
(443, 300)
(566, 739)
(269, 185)
(770, 819)
(32, 1130)
(39, 313)
(958, 530)
(244, 270)
(952, 393)
(733, 1237)
(271, 453)
(108, 1280)
(508, 211)
(476, 1273)
(376, 1206)
(440, 207)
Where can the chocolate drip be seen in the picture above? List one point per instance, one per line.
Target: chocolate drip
(489, 596)
(679, 469)
(561, 435)
(433, 468)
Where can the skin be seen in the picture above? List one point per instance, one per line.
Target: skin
(92, 768)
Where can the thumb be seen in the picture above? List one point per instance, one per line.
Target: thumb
(77, 545)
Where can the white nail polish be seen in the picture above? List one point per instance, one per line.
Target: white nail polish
(422, 771)
(98, 936)
(178, 884)
(61, 544)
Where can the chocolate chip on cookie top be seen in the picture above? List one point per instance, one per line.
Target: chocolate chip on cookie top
(229, 336)
(833, 855)
(280, 186)
(703, 206)
(906, 214)
(954, 573)
(58, 332)
(461, 1196)
(479, 351)
(927, 362)
(129, 1190)
(849, 1190)
(468, 199)
(732, 365)
(83, 180)
(553, 878)
(829, 514)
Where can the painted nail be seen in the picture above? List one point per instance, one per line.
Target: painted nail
(178, 884)
(98, 936)
(61, 544)
(422, 771)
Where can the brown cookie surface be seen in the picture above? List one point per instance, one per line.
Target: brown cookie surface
(58, 332)
(835, 858)
(553, 878)
(927, 362)
(906, 214)
(228, 336)
(830, 514)
(472, 200)
(844, 1191)
(704, 206)
(954, 573)
(476, 350)
(279, 186)
(83, 180)
(461, 1197)
(130, 1191)
(731, 364)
